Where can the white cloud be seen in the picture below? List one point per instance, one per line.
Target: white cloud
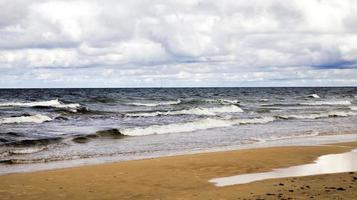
(34, 58)
(190, 42)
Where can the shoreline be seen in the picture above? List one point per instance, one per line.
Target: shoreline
(320, 140)
(184, 177)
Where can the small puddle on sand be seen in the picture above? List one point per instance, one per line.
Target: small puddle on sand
(326, 164)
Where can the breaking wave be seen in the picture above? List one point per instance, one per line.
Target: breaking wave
(353, 108)
(209, 123)
(52, 103)
(322, 103)
(315, 96)
(202, 124)
(222, 101)
(25, 119)
(194, 111)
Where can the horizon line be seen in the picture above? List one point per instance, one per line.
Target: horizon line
(176, 87)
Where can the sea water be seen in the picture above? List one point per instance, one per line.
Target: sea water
(46, 126)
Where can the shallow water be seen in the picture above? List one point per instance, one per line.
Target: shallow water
(39, 166)
(326, 164)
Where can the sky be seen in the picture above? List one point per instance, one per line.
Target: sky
(177, 43)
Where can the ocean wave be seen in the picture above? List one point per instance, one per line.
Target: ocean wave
(322, 103)
(102, 99)
(154, 104)
(315, 96)
(52, 103)
(25, 119)
(353, 108)
(319, 115)
(8, 137)
(202, 124)
(110, 133)
(194, 111)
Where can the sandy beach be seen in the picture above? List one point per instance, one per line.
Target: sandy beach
(186, 177)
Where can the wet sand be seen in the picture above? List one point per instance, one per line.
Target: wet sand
(186, 177)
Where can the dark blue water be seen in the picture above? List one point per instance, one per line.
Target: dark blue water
(47, 125)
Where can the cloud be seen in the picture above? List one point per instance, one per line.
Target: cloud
(182, 43)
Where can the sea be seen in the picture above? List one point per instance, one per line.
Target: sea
(53, 128)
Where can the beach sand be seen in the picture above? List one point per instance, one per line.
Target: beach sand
(186, 177)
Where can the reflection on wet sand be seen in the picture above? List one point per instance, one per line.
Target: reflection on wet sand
(326, 164)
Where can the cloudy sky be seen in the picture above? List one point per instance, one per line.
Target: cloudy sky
(144, 43)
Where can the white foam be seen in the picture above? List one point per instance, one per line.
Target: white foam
(315, 96)
(153, 104)
(177, 128)
(320, 115)
(194, 111)
(4, 154)
(326, 164)
(322, 103)
(25, 119)
(202, 124)
(52, 103)
(228, 101)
